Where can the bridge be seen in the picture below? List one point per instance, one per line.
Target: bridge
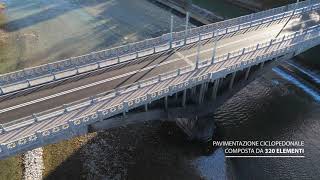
(44, 104)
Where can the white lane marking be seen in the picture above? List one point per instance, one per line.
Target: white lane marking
(120, 76)
(85, 86)
(184, 58)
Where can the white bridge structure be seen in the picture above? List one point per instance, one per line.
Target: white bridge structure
(47, 103)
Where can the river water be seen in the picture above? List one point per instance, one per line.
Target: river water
(283, 104)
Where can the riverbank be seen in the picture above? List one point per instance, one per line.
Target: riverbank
(140, 151)
(11, 168)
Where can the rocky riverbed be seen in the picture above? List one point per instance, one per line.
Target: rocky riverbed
(33, 164)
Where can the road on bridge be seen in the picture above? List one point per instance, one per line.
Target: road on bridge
(51, 96)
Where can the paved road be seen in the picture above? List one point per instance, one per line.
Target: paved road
(143, 68)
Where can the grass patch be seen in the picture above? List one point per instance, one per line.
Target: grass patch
(64, 152)
(11, 168)
(8, 59)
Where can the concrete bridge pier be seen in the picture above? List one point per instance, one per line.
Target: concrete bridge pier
(146, 107)
(197, 128)
(193, 93)
(232, 80)
(201, 93)
(193, 90)
(184, 98)
(215, 88)
(206, 86)
(261, 65)
(176, 96)
(247, 73)
(166, 103)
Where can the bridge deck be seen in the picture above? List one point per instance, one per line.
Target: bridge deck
(132, 96)
(159, 75)
(143, 68)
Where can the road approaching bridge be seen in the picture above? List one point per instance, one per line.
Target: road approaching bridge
(44, 104)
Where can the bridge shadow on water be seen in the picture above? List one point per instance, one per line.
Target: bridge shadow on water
(157, 150)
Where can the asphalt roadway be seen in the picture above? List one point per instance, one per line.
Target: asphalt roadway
(146, 67)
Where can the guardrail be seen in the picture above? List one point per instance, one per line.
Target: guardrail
(231, 62)
(61, 69)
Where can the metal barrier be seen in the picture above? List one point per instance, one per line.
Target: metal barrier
(61, 69)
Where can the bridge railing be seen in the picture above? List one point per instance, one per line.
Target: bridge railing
(291, 43)
(62, 69)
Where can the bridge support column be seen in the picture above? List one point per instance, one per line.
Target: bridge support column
(261, 65)
(166, 103)
(193, 91)
(1, 91)
(232, 80)
(215, 88)
(201, 94)
(176, 96)
(146, 107)
(184, 98)
(206, 87)
(247, 73)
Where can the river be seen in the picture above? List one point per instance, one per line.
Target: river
(283, 104)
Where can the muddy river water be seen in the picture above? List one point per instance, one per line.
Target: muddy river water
(283, 104)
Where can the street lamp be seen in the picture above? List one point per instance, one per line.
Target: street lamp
(171, 30)
(187, 8)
